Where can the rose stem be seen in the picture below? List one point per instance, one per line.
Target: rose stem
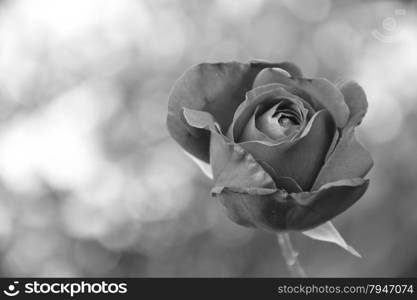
(290, 255)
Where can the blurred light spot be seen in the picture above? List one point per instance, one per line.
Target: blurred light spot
(63, 17)
(43, 41)
(30, 251)
(385, 72)
(273, 36)
(18, 65)
(239, 9)
(224, 51)
(335, 43)
(102, 198)
(84, 220)
(69, 18)
(122, 237)
(306, 60)
(384, 118)
(55, 144)
(165, 189)
(104, 190)
(309, 11)
(150, 117)
(168, 39)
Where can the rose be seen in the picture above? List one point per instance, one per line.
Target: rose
(282, 148)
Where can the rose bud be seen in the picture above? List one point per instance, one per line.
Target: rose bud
(282, 148)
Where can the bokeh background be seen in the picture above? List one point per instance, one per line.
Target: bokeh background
(92, 185)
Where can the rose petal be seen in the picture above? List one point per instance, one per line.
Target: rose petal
(204, 167)
(302, 158)
(323, 93)
(297, 211)
(236, 170)
(328, 96)
(270, 125)
(204, 120)
(200, 119)
(265, 95)
(311, 209)
(215, 88)
(332, 145)
(233, 168)
(260, 211)
(287, 184)
(252, 133)
(328, 233)
(290, 67)
(306, 99)
(355, 99)
(348, 160)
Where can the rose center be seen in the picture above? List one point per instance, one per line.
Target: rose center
(279, 122)
(288, 124)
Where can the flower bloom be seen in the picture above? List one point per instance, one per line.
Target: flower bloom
(281, 147)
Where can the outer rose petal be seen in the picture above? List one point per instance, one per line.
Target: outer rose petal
(215, 88)
(302, 158)
(290, 67)
(236, 170)
(315, 208)
(233, 168)
(296, 211)
(348, 160)
(323, 94)
(355, 99)
(287, 184)
(249, 193)
(261, 211)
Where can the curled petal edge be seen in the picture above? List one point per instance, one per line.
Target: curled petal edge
(232, 167)
(322, 93)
